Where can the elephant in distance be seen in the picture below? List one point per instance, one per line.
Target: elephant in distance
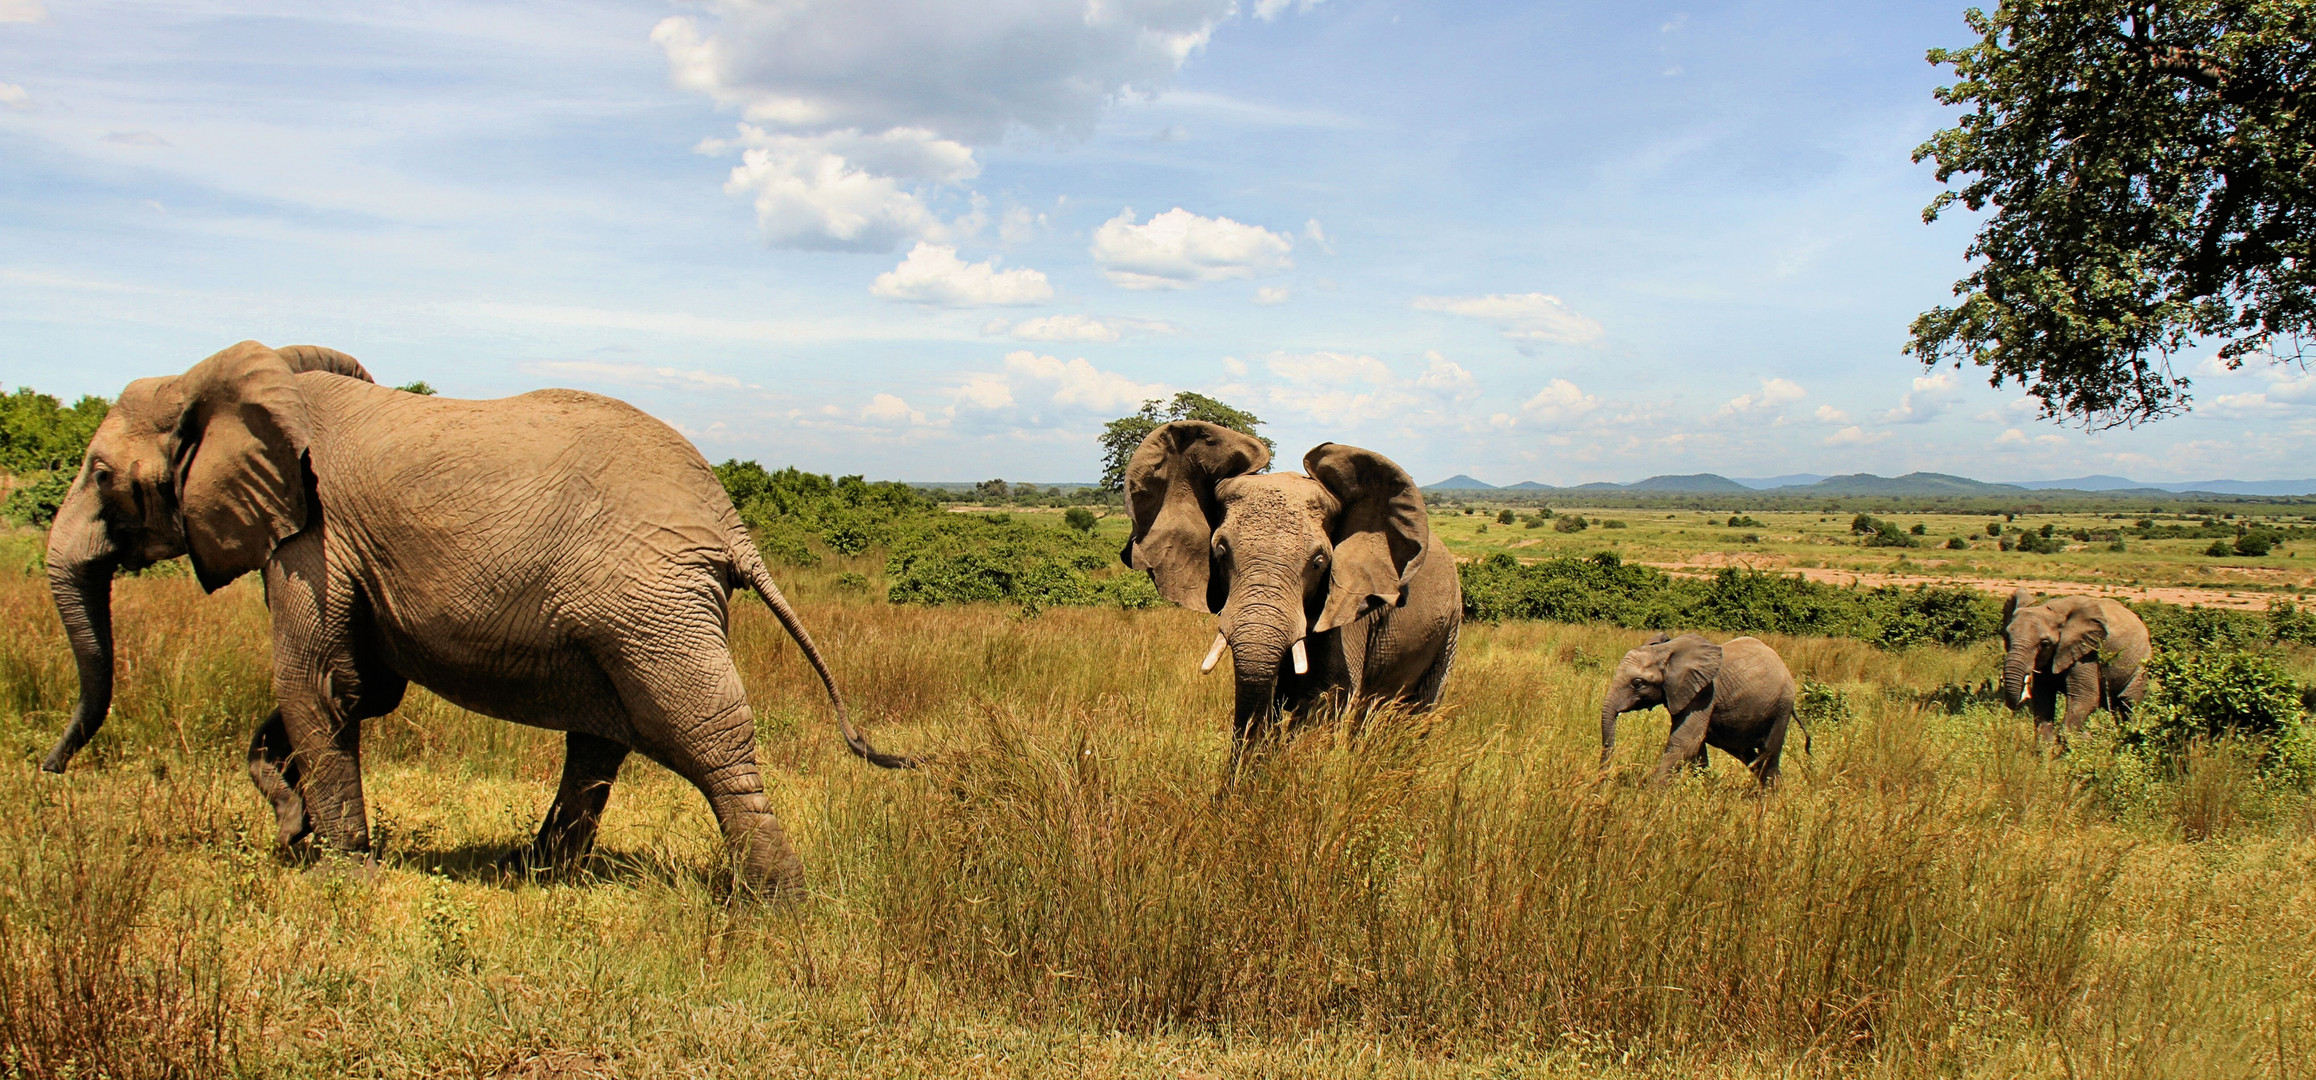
(1328, 584)
(556, 559)
(1737, 696)
(2088, 647)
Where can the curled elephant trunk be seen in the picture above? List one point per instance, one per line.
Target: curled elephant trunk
(81, 561)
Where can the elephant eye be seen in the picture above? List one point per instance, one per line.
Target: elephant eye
(1319, 559)
(1639, 683)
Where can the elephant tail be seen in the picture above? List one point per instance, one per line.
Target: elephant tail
(750, 564)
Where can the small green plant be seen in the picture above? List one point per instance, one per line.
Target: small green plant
(420, 388)
(1819, 703)
(852, 581)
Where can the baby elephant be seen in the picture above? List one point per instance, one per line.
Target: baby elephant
(1737, 696)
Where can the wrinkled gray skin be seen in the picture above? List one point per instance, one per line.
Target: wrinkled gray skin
(1341, 558)
(1737, 696)
(2085, 646)
(556, 559)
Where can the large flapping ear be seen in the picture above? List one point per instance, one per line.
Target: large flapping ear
(1691, 665)
(1170, 496)
(2019, 598)
(1379, 534)
(2080, 636)
(240, 463)
(304, 358)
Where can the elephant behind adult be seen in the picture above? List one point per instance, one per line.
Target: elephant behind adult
(1327, 584)
(2091, 648)
(1737, 696)
(556, 559)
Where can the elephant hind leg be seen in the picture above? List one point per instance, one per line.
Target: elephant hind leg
(590, 764)
(689, 712)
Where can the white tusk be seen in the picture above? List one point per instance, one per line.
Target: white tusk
(1212, 655)
(1302, 662)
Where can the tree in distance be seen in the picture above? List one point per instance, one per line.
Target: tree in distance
(2149, 166)
(1120, 437)
(1079, 518)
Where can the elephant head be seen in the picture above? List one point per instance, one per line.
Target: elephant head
(211, 464)
(1277, 557)
(1676, 673)
(2049, 637)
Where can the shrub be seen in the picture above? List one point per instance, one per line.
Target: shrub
(1079, 518)
(2220, 549)
(1994, 528)
(2256, 542)
(35, 504)
(1920, 529)
(1532, 522)
(1505, 517)
(1613, 525)
(1956, 543)
(2289, 622)
(2037, 544)
(1744, 521)
(1818, 703)
(1570, 523)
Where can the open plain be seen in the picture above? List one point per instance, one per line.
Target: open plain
(1062, 893)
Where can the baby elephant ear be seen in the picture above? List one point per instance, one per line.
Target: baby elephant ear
(1170, 497)
(1690, 668)
(1379, 533)
(240, 462)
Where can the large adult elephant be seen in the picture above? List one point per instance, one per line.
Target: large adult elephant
(2088, 647)
(556, 559)
(1737, 696)
(1328, 583)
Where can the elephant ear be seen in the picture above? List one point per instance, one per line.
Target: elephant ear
(1170, 497)
(240, 462)
(304, 358)
(2080, 636)
(1379, 533)
(2019, 598)
(1691, 665)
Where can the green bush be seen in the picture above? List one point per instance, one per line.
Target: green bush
(2257, 542)
(1820, 704)
(1570, 523)
(2290, 623)
(1603, 589)
(35, 504)
(2037, 544)
(1614, 525)
(1079, 518)
(1505, 517)
(1956, 543)
(1745, 521)
(2220, 549)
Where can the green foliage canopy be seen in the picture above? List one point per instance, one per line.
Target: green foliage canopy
(41, 444)
(1120, 437)
(2152, 168)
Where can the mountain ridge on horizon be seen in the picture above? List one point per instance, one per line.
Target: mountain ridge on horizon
(1914, 483)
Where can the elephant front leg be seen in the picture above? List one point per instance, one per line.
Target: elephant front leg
(1686, 746)
(275, 772)
(2084, 688)
(2044, 707)
(590, 764)
(326, 756)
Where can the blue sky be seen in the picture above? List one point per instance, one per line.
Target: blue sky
(945, 241)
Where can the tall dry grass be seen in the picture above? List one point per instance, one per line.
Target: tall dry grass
(1064, 893)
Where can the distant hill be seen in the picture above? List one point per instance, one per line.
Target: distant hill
(1764, 483)
(2082, 483)
(1688, 482)
(1529, 485)
(1461, 482)
(1914, 483)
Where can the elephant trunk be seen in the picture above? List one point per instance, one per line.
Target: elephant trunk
(1619, 700)
(81, 560)
(1263, 626)
(2017, 665)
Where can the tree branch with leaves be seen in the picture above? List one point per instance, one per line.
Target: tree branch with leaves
(1120, 437)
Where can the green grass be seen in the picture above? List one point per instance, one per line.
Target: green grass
(1062, 893)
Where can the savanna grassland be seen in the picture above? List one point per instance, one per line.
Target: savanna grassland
(1062, 893)
(1822, 545)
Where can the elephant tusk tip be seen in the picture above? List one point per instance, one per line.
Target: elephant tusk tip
(1302, 660)
(1213, 654)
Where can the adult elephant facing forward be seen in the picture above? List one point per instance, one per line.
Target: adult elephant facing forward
(1328, 583)
(2088, 647)
(556, 559)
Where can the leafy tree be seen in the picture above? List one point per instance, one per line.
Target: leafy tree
(2149, 166)
(1505, 517)
(1120, 437)
(38, 434)
(1079, 518)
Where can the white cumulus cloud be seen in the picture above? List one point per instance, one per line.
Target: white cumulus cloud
(1853, 436)
(1078, 328)
(1773, 394)
(1559, 402)
(1269, 295)
(1528, 319)
(1827, 414)
(1179, 249)
(13, 96)
(959, 75)
(1926, 401)
(843, 191)
(933, 274)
